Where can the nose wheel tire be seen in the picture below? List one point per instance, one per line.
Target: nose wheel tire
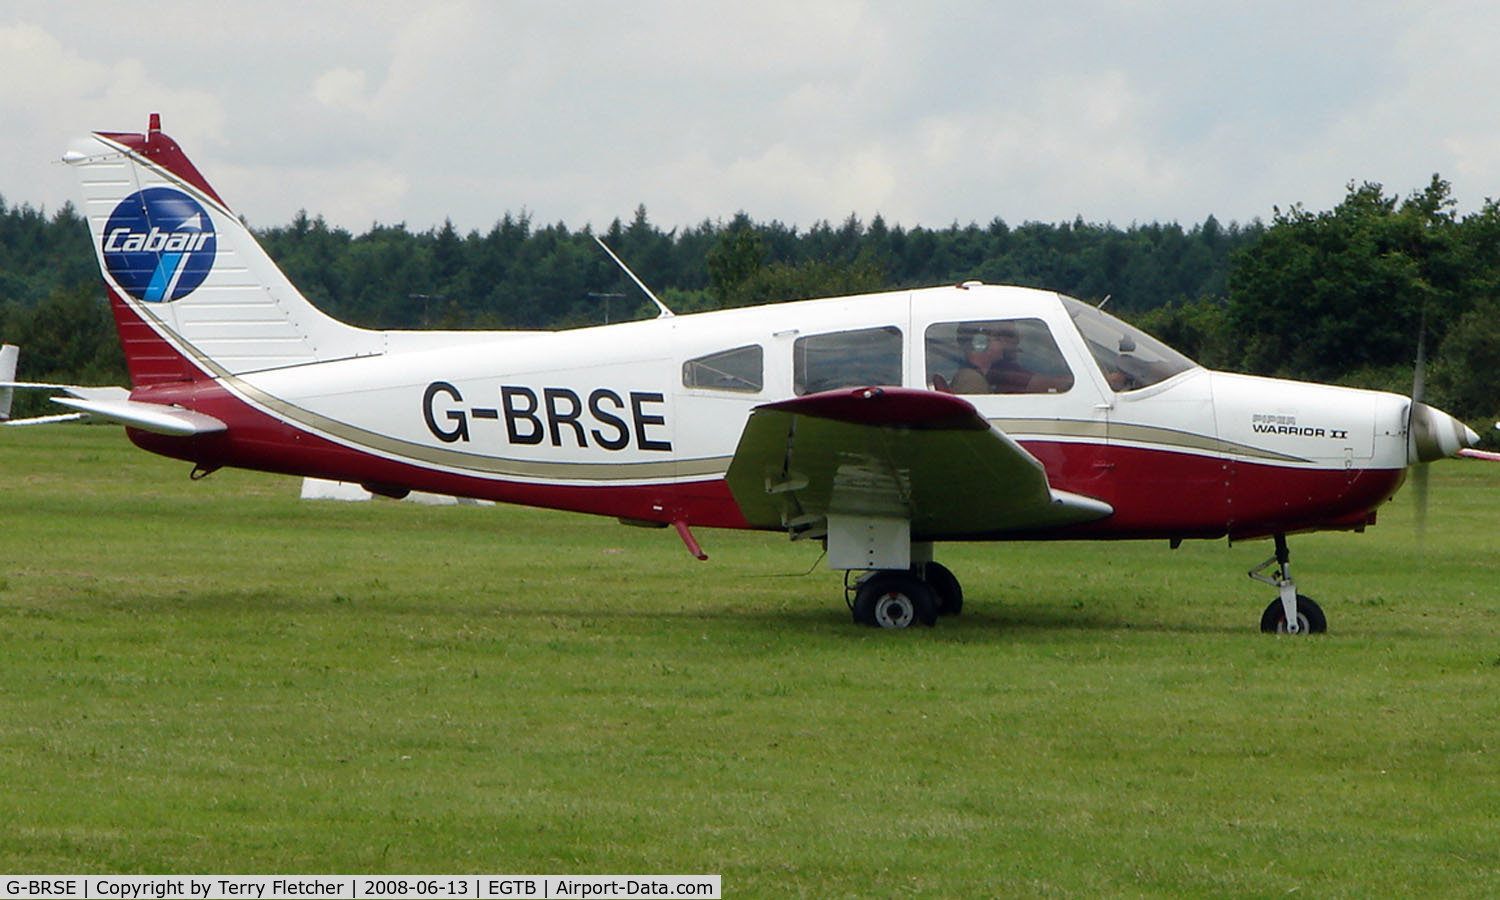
(894, 600)
(1310, 618)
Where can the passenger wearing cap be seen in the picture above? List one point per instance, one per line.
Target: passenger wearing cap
(989, 363)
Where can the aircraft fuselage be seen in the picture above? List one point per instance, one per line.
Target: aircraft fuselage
(615, 420)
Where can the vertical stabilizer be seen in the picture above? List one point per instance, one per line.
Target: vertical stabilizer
(9, 353)
(193, 293)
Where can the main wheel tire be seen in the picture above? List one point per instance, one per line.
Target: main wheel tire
(1310, 618)
(894, 600)
(946, 590)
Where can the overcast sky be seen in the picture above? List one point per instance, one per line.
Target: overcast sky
(926, 113)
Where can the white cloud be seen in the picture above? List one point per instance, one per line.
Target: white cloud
(343, 89)
(353, 196)
(925, 113)
(48, 90)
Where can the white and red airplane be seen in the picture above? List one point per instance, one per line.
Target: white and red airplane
(880, 424)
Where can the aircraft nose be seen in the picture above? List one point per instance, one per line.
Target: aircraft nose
(1435, 435)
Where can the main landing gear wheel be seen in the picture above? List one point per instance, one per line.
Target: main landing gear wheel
(946, 590)
(1310, 618)
(894, 600)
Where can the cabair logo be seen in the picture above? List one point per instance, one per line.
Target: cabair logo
(159, 245)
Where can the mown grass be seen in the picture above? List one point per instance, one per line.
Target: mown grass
(218, 677)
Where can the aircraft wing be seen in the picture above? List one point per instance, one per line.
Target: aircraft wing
(927, 457)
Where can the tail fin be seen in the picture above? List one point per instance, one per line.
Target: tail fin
(8, 355)
(193, 293)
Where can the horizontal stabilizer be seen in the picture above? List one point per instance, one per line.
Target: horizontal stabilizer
(153, 417)
(113, 404)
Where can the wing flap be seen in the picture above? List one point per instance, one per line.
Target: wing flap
(926, 457)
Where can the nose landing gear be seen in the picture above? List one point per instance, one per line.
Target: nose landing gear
(1291, 612)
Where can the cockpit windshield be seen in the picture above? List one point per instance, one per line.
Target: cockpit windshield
(1129, 358)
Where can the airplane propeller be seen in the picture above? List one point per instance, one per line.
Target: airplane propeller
(1431, 434)
(1413, 416)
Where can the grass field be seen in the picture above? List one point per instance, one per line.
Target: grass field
(216, 677)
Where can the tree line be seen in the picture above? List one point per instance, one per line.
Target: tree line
(1352, 295)
(1340, 295)
(522, 275)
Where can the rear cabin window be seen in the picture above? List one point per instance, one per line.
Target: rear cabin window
(741, 369)
(867, 356)
(996, 356)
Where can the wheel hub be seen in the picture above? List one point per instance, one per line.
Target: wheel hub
(894, 610)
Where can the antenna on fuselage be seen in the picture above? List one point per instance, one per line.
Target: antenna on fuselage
(665, 313)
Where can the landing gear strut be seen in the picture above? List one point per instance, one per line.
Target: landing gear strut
(1291, 612)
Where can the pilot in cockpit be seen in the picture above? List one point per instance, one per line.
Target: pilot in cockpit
(989, 362)
(992, 363)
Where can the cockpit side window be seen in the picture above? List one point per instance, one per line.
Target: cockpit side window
(1130, 358)
(741, 369)
(866, 356)
(996, 356)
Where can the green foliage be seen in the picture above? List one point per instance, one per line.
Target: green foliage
(1200, 328)
(40, 256)
(1465, 379)
(1343, 296)
(69, 337)
(739, 275)
(521, 276)
(1322, 294)
(735, 258)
